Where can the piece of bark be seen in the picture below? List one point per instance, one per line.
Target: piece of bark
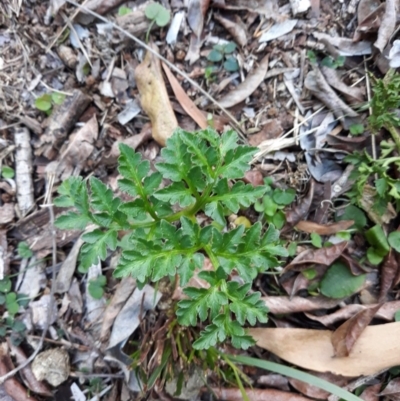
(35, 230)
(61, 122)
(23, 170)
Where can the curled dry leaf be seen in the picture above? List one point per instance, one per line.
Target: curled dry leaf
(184, 100)
(389, 271)
(313, 349)
(234, 394)
(29, 379)
(154, 98)
(74, 158)
(388, 25)
(254, 177)
(236, 28)
(196, 12)
(133, 141)
(324, 256)
(345, 336)
(122, 293)
(369, 16)
(351, 93)
(274, 380)
(270, 130)
(247, 87)
(317, 85)
(385, 312)
(344, 46)
(299, 211)
(371, 393)
(282, 304)
(324, 229)
(355, 267)
(12, 386)
(316, 392)
(392, 389)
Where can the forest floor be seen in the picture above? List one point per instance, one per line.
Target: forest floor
(312, 85)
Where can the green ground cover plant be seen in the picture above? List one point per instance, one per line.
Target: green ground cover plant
(164, 238)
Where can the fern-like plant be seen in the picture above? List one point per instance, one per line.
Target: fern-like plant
(164, 237)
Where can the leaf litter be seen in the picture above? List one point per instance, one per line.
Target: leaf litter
(304, 72)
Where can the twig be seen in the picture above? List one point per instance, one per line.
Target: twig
(12, 372)
(172, 66)
(368, 85)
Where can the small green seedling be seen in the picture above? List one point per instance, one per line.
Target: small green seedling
(333, 63)
(47, 101)
(380, 244)
(369, 171)
(7, 172)
(327, 61)
(316, 240)
(356, 129)
(163, 237)
(24, 251)
(158, 15)
(96, 287)
(124, 11)
(273, 203)
(11, 302)
(221, 52)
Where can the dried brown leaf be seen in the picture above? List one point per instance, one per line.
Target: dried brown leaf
(324, 256)
(268, 8)
(254, 177)
(12, 386)
(274, 380)
(196, 12)
(316, 392)
(247, 87)
(184, 100)
(323, 229)
(7, 213)
(234, 394)
(282, 305)
(345, 336)
(369, 16)
(29, 379)
(122, 293)
(270, 130)
(236, 28)
(392, 390)
(388, 25)
(353, 94)
(313, 349)
(371, 393)
(389, 271)
(316, 83)
(386, 312)
(154, 98)
(355, 267)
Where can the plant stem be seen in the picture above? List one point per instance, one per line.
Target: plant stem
(395, 135)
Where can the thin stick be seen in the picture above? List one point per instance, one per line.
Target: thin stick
(12, 372)
(368, 85)
(172, 66)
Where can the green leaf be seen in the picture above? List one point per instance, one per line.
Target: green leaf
(316, 240)
(18, 326)
(72, 221)
(312, 56)
(73, 192)
(397, 316)
(284, 196)
(124, 10)
(229, 47)
(394, 240)
(250, 308)
(209, 337)
(377, 238)
(177, 192)
(7, 172)
(133, 169)
(96, 246)
(158, 13)
(43, 103)
(102, 198)
(57, 98)
(356, 129)
(374, 257)
(240, 195)
(216, 212)
(5, 284)
(96, 287)
(338, 282)
(215, 56)
(381, 186)
(11, 303)
(328, 62)
(23, 250)
(278, 219)
(354, 213)
(236, 162)
(231, 64)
